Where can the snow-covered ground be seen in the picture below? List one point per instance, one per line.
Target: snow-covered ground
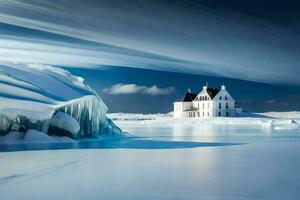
(275, 120)
(168, 160)
(169, 116)
(283, 115)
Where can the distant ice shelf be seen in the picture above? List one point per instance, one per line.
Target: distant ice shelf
(50, 100)
(274, 120)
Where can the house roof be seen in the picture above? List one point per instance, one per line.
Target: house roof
(192, 109)
(212, 92)
(188, 97)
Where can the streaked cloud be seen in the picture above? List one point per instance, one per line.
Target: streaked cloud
(121, 88)
(168, 36)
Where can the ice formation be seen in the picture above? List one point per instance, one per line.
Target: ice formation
(65, 122)
(47, 99)
(32, 136)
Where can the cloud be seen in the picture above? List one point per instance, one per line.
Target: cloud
(121, 88)
(202, 40)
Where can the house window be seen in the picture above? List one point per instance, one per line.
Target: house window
(220, 97)
(193, 114)
(203, 105)
(220, 106)
(225, 97)
(226, 105)
(203, 114)
(198, 114)
(208, 114)
(227, 114)
(219, 113)
(208, 105)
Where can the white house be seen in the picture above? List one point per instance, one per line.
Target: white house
(210, 102)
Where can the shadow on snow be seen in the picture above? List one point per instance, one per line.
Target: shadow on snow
(114, 144)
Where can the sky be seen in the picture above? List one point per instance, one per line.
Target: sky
(250, 40)
(148, 91)
(256, 41)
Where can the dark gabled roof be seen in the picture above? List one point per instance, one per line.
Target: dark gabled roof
(188, 97)
(212, 92)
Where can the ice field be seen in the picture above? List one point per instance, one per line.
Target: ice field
(167, 160)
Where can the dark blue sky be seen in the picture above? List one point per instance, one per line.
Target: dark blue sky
(252, 96)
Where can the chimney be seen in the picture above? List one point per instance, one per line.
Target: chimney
(223, 87)
(205, 87)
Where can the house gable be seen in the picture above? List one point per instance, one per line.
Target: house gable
(223, 94)
(203, 96)
(207, 94)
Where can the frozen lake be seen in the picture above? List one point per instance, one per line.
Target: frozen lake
(167, 161)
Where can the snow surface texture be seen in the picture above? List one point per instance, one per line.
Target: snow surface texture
(284, 115)
(275, 120)
(31, 94)
(165, 162)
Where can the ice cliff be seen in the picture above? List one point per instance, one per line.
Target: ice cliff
(50, 100)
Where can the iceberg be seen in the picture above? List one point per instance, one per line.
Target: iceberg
(51, 100)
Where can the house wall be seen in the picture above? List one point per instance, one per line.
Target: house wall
(204, 104)
(180, 107)
(223, 98)
(204, 108)
(224, 111)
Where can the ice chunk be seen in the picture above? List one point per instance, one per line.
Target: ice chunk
(13, 137)
(63, 139)
(66, 122)
(110, 129)
(33, 136)
(286, 124)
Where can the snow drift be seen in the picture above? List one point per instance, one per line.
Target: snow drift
(50, 100)
(32, 136)
(286, 122)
